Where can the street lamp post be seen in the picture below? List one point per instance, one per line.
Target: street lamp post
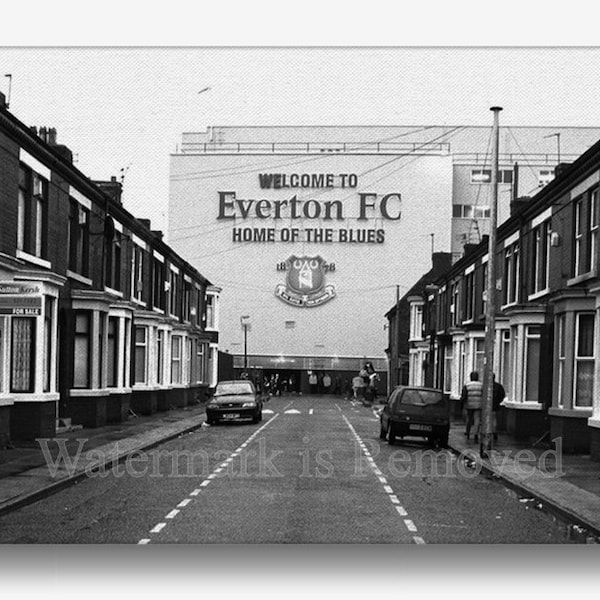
(490, 313)
(245, 322)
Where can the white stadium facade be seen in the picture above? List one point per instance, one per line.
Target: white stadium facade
(311, 233)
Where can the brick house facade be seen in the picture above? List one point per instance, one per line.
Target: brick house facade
(98, 315)
(547, 326)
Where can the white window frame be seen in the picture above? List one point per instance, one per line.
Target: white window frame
(593, 206)
(578, 236)
(561, 328)
(578, 360)
(416, 321)
(176, 360)
(141, 344)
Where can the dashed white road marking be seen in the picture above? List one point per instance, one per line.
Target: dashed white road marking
(291, 411)
(387, 488)
(311, 411)
(410, 525)
(159, 526)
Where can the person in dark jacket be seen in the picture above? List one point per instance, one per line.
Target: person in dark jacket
(498, 396)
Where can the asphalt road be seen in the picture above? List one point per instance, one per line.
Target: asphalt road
(313, 471)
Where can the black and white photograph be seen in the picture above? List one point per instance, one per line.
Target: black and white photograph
(327, 296)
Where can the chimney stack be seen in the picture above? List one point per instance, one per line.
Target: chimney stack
(560, 169)
(516, 206)
(112, 188)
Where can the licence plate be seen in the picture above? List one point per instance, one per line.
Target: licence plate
(231, 415)
(421, 428)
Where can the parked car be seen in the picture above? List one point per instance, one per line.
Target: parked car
(234, 400)
(416, 411)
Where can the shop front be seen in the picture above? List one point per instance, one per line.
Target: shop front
(28, 355)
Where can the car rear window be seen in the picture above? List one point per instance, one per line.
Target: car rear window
(232, 389)
(421, 397)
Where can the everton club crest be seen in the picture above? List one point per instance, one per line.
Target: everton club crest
(305, 281)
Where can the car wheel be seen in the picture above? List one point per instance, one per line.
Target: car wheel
(255, 418)
(391, 436)
(443, 441)
(260, 416)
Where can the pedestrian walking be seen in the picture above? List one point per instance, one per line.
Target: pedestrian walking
(358, 386)
(312, 382)
(498, 396)
(337, 389)
(326, 383)
(471, 399)
(373, 379)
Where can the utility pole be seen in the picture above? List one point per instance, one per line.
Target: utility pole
(490, 312)
(245, 322)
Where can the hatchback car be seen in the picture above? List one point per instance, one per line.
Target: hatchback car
(416, 411)
(234, 400)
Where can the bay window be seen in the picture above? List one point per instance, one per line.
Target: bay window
(583, 379)
(22, 375)
(82, 350)
(141, 355)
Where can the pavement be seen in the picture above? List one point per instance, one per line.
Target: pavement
(565, 485)
(30, 471)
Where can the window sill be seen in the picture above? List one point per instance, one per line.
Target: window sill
(582, 278)
(539, 294)
(113, 291)
(594, 422)
(78, 277)
(34, 397)
(119, 390)
(87, 392)
(138, 302)
(36, 260)
(522, 405)
(578, 413)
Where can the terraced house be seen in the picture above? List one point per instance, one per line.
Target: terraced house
(547, 326)
(98, 315)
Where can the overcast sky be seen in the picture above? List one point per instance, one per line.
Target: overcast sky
(125, 108)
